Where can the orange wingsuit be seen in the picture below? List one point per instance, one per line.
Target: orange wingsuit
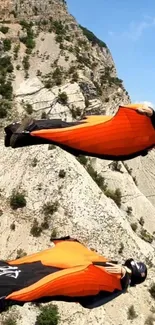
(126, 133)
(78, 277)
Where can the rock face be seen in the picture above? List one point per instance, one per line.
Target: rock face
(114, 216)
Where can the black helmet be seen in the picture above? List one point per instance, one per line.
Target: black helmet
(139, 271)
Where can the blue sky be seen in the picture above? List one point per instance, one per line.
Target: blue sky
(128, 29)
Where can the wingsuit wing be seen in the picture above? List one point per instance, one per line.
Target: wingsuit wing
(124, 136)
(77, 281)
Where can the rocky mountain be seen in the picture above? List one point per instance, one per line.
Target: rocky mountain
(50, 66)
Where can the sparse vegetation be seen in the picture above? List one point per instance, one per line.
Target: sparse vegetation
(25, 62)
(50, 208)
(43, 115)
(114, 195)
(53, 234)
(16, 51)
(100, 181)
(145, 235)
(83, 59)
(63, 98)
(6, 67)
(135, 180)
(28, 108)
(83, 160)
(28, 40)
(7, 44)
(5, 106)
(51, 147)
(20, 253)
(36, 229)
(150, 320)
(121, 248)
(129, 210)
(132, 313)
(134, 226)
(49, 315)
(75, 111)
(45, 223)
(34, 162)
(75, 77)
(129, 170)
(116, 166)
(152, 290)
(12, 226)
(4, 29)
(107, 78)
(62, 173)
(17, 200)
(141, 221)
(57, 76)
(92, 38)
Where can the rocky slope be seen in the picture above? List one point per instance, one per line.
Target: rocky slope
(50, 66)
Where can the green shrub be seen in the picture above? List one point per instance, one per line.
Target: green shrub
(59, 27)
(75, 111)
(7, 44)
(100, 181)
(129, 170)
(83, 59)
(82, 159)
(116, 166)
(132, 313)
(75, 77)
(145, 235)
(59, 39)
(36, 229)
(12, 226)
(51, 147)
(62, 173)
(34, 162)
(3, 111)
(121, 248)
(134, 226)
(26, 63)
(4, 29)
(92, 38)
(62, 98)
(16, 50)
(48, 84)
(150, 320)
(152, 290)
(29, 39)
(129, 210)
(50, 208)
(29, 108)
(57, 76)
(6, 90)
(43, 115)
(49, 316)
(18, 66)
(141, 221)
(114, 195)
(53, 234)
(20, 253)
(45, 223)
(17, 200)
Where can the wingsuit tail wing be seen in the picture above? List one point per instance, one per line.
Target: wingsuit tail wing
(19, 134)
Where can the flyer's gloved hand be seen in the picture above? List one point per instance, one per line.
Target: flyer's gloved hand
(144, 109)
